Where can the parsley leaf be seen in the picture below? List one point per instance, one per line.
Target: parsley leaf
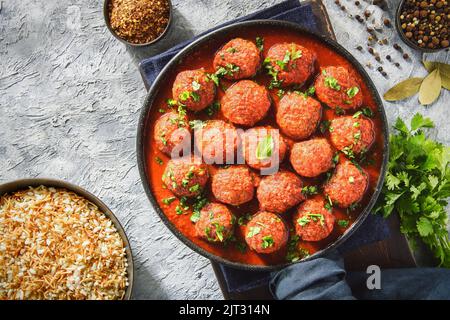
(417, 186)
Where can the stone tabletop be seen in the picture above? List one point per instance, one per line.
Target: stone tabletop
(70, 96)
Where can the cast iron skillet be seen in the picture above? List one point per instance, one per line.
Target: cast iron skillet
(227, 31)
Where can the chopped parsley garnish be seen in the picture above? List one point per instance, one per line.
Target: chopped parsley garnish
(348, 151)
(241, 246)
(283, 63)
(332, 83)
(343, 223)
(303, 221)
(213, 108)
(280, 93)
(244, 219)
(195, 216)
(357, 114)
(311, 91)
(260, 43)
(231, 50)
(310, 190)
(253, 231)
(195, 96)
(294, 253)
(353, 91)
(179, 210)
(163, 139)
(184, 95)
(219, 231)
(325, 125)
(159, 161)
(339, 111)
(367, 112)
(271, 71)
(171, 102)
(168, 200)
(194, 188)
(264, 148)
(267, 242)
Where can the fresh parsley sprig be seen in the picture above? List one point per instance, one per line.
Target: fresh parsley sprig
(417, 186)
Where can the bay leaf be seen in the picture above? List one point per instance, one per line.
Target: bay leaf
(445, 82)
(429, 65)
(443, 67)
(403, 90)
(430, 88)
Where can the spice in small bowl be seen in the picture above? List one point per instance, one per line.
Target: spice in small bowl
(424, 24)
(138, 22)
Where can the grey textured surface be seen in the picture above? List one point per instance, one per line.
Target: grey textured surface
(70, 96)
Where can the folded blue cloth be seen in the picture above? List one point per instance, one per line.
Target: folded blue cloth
(373, 229)
(326, 279)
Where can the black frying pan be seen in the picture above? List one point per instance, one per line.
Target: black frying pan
(226, 32)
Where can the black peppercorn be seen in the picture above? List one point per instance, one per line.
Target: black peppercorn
(380, 69)
(384, 74)
(397, 64)
(388, 57)
(405, 56)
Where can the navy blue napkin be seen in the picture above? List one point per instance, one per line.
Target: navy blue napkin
(374, 228)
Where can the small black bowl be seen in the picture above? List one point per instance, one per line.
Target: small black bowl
(108, 24)
(398, 25)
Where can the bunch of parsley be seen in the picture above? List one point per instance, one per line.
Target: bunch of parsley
(417, 186)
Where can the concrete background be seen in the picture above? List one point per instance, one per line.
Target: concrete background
(70, 96)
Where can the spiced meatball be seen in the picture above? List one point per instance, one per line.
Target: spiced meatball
(352, 134)
(185, 177)
(336, 87)
(312, 157)
(171, 130)
(279, 192)
(215, 223)
(298, 115)
(264, 147)
(245, 103)
(194, 89)
(217, 141)
(312, 221)
(238, 58)
(266, 232)
(233, 185)
(347, 185)
(293, 63)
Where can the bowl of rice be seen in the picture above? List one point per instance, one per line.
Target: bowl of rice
(60, 242)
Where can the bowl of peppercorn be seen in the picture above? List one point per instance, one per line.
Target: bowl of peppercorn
(424, 24)
(138, 23)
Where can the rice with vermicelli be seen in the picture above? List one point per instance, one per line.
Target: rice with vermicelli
(55, 244)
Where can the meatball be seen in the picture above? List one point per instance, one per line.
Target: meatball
(279, 192)
(194, 89)
(245, 103)
(172, 130)
(264, 147)
(298, 115)
(293, 63)
(233, 185)
(238, 58)
(347, 185)
(217, 141)
(336, 87)
(312, 221)
(185, 177)
(352, 134)
(266, 232)
(215, 223)
(312, 157)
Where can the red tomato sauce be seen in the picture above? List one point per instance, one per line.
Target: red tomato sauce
(203, 58)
